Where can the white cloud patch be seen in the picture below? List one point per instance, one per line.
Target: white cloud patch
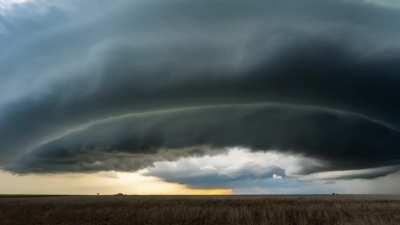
(269, 172)
(13, 2)
(8, 4)
(235, 164)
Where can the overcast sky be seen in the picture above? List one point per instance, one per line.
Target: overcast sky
(228, 96)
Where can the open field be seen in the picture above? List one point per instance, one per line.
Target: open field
(196, 210)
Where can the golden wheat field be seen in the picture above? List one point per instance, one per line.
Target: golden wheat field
(196, 210)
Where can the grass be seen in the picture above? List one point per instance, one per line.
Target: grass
(196, 210)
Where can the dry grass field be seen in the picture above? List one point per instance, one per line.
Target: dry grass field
(196, 210)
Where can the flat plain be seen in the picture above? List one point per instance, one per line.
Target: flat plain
(200, 210)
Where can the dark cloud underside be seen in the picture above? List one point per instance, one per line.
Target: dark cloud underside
(345, 140)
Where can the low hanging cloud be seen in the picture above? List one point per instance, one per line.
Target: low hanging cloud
(218, 170)
(266, 171)
(124, 85)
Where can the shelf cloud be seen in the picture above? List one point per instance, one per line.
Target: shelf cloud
(100, 86)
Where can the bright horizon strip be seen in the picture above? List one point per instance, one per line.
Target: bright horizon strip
(104, 183)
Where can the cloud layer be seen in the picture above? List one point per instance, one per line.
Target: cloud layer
(118, 86)
(348, 140)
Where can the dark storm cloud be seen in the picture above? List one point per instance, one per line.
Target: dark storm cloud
(345, 140)
(370, 173)
(143, 56)
(302, 76)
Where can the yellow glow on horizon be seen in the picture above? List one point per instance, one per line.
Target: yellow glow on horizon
(153, 185)
(106, 183)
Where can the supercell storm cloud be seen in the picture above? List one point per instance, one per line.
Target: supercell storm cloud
(122, 85)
